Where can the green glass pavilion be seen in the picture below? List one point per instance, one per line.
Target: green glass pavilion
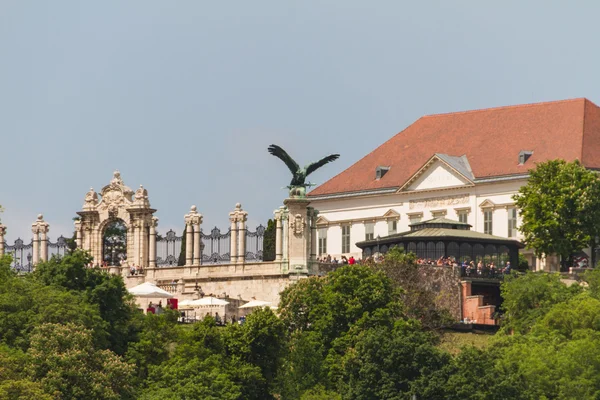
(441, 237)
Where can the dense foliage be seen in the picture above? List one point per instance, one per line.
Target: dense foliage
(361, 332)
(560, 208)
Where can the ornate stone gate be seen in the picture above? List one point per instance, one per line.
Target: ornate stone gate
(118, 202)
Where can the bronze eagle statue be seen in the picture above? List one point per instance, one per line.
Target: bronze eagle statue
(299, 174)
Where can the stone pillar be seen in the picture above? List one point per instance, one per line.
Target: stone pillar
(136, 244)
(2, 233)
(43, 228)
(36, 244)
(284, 233)
(278, 236)
(242, 217)
(142, 259)
(233, 238)
(298, 234)
(191, 219)
(197, 221)
(78, 234)
(152, 249)
(312, 213)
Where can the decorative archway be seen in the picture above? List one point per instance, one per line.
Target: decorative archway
(118, 202)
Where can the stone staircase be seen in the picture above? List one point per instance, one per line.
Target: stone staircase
(474, 309)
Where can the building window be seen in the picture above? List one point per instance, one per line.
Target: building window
(463, 216)
(487, 222)
(369, 231)
(415, 218)
(438, 214)
(345, 238)
(392, 227)
(512, 222)
(322, 241)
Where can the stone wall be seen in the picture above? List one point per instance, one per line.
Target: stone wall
(262, 280)
(445, 281)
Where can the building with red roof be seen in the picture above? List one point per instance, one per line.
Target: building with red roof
(464, 166)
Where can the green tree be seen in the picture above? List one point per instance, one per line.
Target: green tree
(63, 359)
(528, 297)
(181, 259)
(560, 208)
(202, 368)
(269, 241)
(420, 300)
(383, 362)
(98, 288)
(152, 345)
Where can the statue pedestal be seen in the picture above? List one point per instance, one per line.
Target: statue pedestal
(297, 243)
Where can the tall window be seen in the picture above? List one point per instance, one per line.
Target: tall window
(345, 238)
(369, 231)
(512, 222)
(392, 227)
(463, 216)
(322, 241)
(487, 222)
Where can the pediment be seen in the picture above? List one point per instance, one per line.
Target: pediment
(391, 214)
(441, 171)
(488, 204)
(322, 221)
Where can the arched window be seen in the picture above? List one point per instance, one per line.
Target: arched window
(431, 251)
(439, 249)
(478, 252)
(412, 248)
(384, 249)
(466, 252)
(452, 250)
(503, 255)
(367, 252)
(421, 250)
(491, 254)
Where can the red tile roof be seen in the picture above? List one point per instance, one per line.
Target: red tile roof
(490, 138)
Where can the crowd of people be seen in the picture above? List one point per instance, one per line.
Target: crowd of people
(343, 260)
(470, 268)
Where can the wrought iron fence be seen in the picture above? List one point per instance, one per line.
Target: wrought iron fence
(216, 247)
(22, 254)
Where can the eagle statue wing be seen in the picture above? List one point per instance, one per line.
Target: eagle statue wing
(285, 157)
(316, 165)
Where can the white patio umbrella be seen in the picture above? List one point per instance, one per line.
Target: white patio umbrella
(209, 301)
(256, 303)
(150, 290)
(185, 303)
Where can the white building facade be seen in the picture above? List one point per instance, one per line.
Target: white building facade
(463, 166)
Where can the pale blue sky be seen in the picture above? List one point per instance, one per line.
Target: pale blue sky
(185, 96)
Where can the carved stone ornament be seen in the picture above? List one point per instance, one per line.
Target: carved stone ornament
(141, 197)
(91, 199)
(297, 224)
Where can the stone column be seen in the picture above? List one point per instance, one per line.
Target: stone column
(284, 233)
(36, 244)
(152, 249)
(197, 222)
(312, 213)
(136, 244)
(242, 217)
(189, 235)
(43, 229)
(233, 238)
(2, 233)
(278, 238)
(298, 234)
(142, 252)
(78, 234)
